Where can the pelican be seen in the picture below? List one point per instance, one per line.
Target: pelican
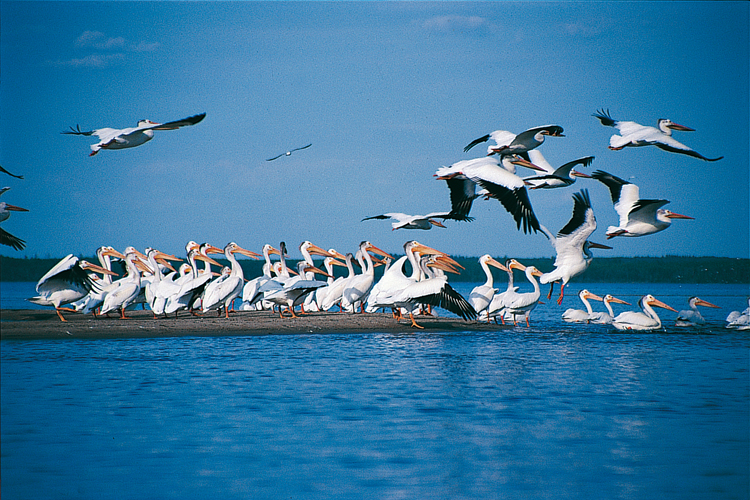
(739, 320)
(223, 290)
(638, 217)
(289, 153)
(634, 135)
(160, 288)
(577, 315)
(66, 282)
(321, 295)
(509, 143)
(358, 288)
(251, 294)
(481, 296)
(495, 308)
(95, 297)
(192, 284)
(693, 317)
(606, 318)
(110, 138)
(516, 303)
(499, 179)
(571, 245)
(646, 320)
(126, 290)
(555, 177)
(5, 237)
(404, 221)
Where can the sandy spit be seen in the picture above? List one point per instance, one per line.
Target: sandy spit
(43, 324)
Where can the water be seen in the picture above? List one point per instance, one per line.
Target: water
(551, 411)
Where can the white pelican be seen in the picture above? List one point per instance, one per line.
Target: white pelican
(571, 244)
(499, 179)
(693, 317)
(251, 294)
(606, 318)
(516, 304)
(66, 282)
(638, 217)
(320, 296)
(192, 284)
(160, 288)
(95, 297)
(555, 177)
(509, 143)
(739, 320)
(289, 153)
(110, 138)
(577, 315)
(396, 290)
(308, 249)
(405, 221)
(358, 288)
(336, 289)
(286, 290)
(634, 135)
(223, 290)
(646, 320)
(495, 308)
(481, 296)
(5, 237)
(126, 290)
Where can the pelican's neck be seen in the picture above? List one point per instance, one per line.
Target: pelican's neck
(609, 308)
(488, 273)
(587, 305)
(236, 267)
(532, 279)
(648, 311)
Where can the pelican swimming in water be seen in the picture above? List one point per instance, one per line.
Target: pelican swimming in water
(606, 318)
(739, 320)
(633, 134)
(577, 315)
(111, 138)
(693, 317)
(645, 320)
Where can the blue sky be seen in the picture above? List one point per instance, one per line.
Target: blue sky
(387, 92)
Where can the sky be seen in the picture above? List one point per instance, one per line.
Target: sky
(387, 93)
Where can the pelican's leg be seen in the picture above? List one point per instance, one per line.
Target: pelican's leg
(291, 310)
(527, 319)
(122, 313)
(57, 310)
(562, 290)
(414, 323)
(551, 287)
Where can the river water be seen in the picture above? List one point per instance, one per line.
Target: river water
(550, 411)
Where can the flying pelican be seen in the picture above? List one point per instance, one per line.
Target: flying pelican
(509, 143)
(516, 303)
(499, 179)
(110, 138)
(646, 320)
(481, 296)
(358, 288)
(692, 317)
(555, 177)
(634, 135)
(127, 289)
(739, 320)
(638, 217)
(223, 290)
(572, 245)
(404, 221)
(606, 318)
(12, 175)
(66, 282)
(577, 315)
(5, 237)
(289, 153)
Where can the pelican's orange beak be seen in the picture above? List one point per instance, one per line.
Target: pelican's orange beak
(673, 215)
(15, 208)
(701, 302)
(683, 128)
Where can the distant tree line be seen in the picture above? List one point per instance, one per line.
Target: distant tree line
(669, 269)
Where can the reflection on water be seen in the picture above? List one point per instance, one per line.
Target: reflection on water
(551, 411)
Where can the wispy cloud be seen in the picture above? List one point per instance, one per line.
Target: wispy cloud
(454, 22)
(104, 50)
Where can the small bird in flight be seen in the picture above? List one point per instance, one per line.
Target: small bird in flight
(12, 175)
(288, 153)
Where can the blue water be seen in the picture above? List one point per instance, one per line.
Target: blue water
(551, 411)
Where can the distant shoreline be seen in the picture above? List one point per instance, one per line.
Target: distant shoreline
(668, 269)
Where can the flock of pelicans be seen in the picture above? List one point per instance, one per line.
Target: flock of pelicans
(151, 280)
